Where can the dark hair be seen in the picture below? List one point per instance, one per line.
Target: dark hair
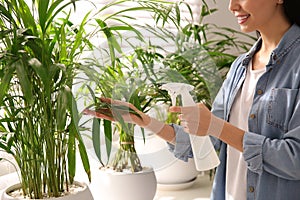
(291, 9)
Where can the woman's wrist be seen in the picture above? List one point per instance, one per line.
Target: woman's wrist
(152, 124)
(159, 128)
(216, 126)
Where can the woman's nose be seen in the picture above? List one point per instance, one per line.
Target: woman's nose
(233, 5)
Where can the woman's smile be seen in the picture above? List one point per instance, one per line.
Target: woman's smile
(242, 18)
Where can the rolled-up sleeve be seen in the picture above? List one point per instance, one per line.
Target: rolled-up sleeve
(253, 151)
(182, 148)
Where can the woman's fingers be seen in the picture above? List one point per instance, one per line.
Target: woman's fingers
(118, 108)
(175, 109)
(183, 109)
(117, 102)
(106, 100)
(97, 114)
(194, 119)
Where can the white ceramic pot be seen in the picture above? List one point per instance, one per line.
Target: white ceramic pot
(84, 194)
(168, 169)
(126, 185)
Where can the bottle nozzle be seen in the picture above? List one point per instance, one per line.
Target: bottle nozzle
(175, 89)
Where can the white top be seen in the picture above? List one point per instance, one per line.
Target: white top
(236, 176)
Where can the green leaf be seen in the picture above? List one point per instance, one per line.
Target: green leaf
(41, 71)
(2, 146)
(7, 14)
(5, 82)
(43, 13)
(96, 138)
(23, 76)
(75, 120)
(62, 108)
(2, 128)
(79, 36)
(56, 9)
(108, 136)
(62, 37)
(25, 16)
(83, 155)
(72, 152)
(112, 42)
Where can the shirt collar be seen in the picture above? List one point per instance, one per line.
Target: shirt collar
(289, 39)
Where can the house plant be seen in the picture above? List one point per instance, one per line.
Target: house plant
(123, 169)
(121, 78)
(39, 118)
(118, 75)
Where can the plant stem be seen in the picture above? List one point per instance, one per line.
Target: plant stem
(126, 156)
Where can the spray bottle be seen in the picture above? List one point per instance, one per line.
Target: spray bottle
(204, 153)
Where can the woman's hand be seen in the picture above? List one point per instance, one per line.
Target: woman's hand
(131, 114)
(137, 117)
(198, 120)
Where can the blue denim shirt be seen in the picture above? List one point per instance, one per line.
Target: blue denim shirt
(272, 144)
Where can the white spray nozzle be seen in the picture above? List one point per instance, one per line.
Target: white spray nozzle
(183, 89)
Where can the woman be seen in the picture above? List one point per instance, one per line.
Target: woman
(255, 118)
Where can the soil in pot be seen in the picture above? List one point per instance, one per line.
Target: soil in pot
(77, 191)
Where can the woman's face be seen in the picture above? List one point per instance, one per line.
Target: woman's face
(256, 15)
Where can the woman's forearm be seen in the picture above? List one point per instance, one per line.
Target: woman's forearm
(218, 128)
(161, 129)
(232, 136)
(226, 132)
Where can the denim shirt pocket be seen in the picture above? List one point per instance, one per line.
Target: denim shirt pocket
(280, 107)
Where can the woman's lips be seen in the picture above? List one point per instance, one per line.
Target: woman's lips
(242, 18)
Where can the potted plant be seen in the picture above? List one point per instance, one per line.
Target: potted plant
(122, 78)
(123, 167)
(39, 120)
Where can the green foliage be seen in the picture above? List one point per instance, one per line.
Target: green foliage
(201, 56)
(39, 118)
(119, 77)
(118, 84)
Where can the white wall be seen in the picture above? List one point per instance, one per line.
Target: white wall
(223, 17)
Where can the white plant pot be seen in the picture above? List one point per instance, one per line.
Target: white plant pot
(127, 185)
(168, 168)
(177, 172)
(83, 194)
